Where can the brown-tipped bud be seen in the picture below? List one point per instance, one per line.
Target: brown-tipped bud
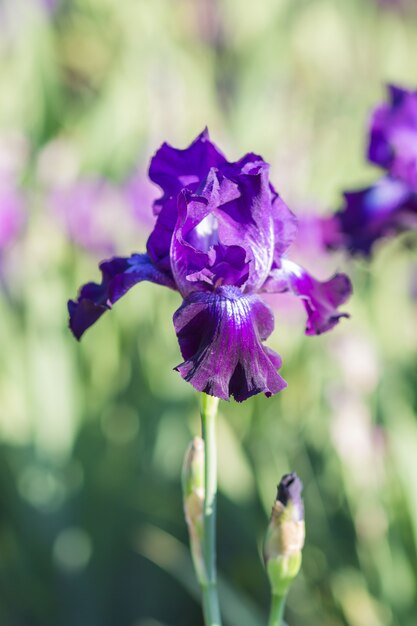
(193, 497)
(285, 535)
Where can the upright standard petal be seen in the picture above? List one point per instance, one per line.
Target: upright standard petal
(393, 135)
(118, 276)
(321, 299)
(384, 209)
(247, 219)
(220, 334)
(174, 170)
(241, 207)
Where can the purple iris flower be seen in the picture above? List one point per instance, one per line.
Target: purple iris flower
(219, 239)
(389, 206)
(386, 208)
(393, 135)
(89, 210)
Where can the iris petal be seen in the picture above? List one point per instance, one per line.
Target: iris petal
(383, 209)
(220, 335)
(174, 170)
(321, 299)
(239, 212)
(118, 276)
(393, 135)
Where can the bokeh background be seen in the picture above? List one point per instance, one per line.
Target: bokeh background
(93, 434)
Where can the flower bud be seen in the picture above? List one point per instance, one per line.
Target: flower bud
(193, 498)
(285, 535)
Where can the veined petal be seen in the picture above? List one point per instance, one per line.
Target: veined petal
(227, 265)
(118, 276)
(227, 213)
(247, 221)
(321, 299)
(220, 335)
(197, 253)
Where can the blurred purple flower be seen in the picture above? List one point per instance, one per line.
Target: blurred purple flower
(220, 239)
(386, 208)
(393, 136)
(97, 214)
(13, 154)
(389, 206)
(88, 210)
(140, 195)
(11, 212)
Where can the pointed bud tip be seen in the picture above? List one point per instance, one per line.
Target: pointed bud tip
(289, 490)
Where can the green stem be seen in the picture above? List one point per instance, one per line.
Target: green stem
(276, 615)
(211, 607)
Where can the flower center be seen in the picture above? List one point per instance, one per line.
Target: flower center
(205, 234)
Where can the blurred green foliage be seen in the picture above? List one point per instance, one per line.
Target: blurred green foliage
(93, 434)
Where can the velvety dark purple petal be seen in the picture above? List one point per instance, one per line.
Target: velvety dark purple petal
(247, 221)
(393, 135)
(258, 219)
(175, 170)
(381, 210)
(118, 276)
(159, 241)
(220, 334)
(321, 299)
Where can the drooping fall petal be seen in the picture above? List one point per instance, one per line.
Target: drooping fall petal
(118, 276)
(220, 336)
